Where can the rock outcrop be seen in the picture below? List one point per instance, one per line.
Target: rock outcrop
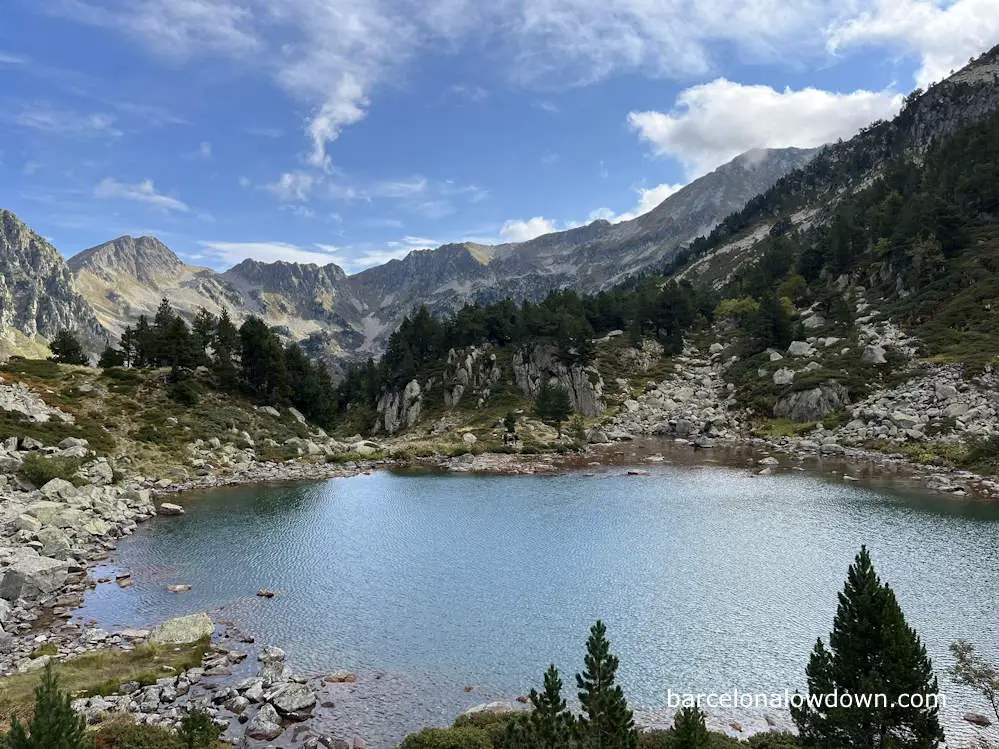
(537, 365)
(812, 404)
(38, 297)
(398, 410)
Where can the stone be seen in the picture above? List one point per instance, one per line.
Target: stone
(183, 630)
(30, 577)
(597, 437)
(810, 405)
(500, 707)
(182, 588)
(469, 439)
(341, 677)
(783, 376)
(170, 509)
(873, 355)
(55, 543)
(294, 701)
(58, 489)
(271, 654)
(799, 349)
(265, 725)
(956, 410)
(26, 522)
(270, 411)
(944, 392)
(265, 593)
(977, 719)
(716, 348)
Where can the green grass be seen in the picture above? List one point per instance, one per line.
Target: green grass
(99, 673)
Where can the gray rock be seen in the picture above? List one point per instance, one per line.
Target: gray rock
(182, 630)
(265, 725)
(810, 405)
(799, 349)
(783, 376)
(168, 508)
(873, 355)
(54, 542)
(58, 489)
(293, 701)
(30, 577)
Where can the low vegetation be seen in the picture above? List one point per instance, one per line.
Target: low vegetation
(101, 672)
(39, 469)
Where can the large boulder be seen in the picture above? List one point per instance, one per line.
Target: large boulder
(58, 489)
(265, 725)
(811, 405)
(30, 577)
(293, 701)
(183, 630)
(55, 543)
(873, 355)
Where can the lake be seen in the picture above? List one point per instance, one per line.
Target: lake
(708, 577)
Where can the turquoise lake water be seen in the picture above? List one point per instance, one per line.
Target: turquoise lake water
(708, 579)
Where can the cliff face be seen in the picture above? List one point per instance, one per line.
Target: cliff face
(37, 294)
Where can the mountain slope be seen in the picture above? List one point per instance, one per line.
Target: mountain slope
(37, 294)
(807, 196)
(587, 259)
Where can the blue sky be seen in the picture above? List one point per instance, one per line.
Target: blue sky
(353, 131)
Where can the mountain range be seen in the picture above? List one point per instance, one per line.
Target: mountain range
(339, 318)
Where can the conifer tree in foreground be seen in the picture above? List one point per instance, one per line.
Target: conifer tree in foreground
(553, 723)
(872, 650)
(54, 726)
(689, 730)
(607, 723)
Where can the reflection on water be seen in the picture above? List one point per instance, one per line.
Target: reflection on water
(708, 579)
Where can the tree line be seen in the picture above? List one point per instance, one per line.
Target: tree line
(250, 360)
(664, 310)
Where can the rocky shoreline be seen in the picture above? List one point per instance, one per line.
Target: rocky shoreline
(51, 536)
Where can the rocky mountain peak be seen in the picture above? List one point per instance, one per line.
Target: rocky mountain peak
(37, 294)
(143, 260)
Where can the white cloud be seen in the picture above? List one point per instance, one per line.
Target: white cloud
(648, 198)
(231, 253)
(244, 181)
(205, 149)
(293, 186)
(46, 118)
(360, 258)
(943, 34)
(518, 230)
(30, 167)
(403, 188)
(345, 106)
(142, 192)
(6, 58)
(712, 123)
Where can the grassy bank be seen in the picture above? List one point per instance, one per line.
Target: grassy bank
(99, 673)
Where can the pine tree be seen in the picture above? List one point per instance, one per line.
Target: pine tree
(55, 725)
(552, 404)
(872, 651)
(226, 345)
(607, 722)
(66, 349)
(689, 731)
(551, 721)
(111, 357)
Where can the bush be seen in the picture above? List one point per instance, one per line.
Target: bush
(40, 469)
(448, 738)
(185, 392)
(773, 740)
(124, 733)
